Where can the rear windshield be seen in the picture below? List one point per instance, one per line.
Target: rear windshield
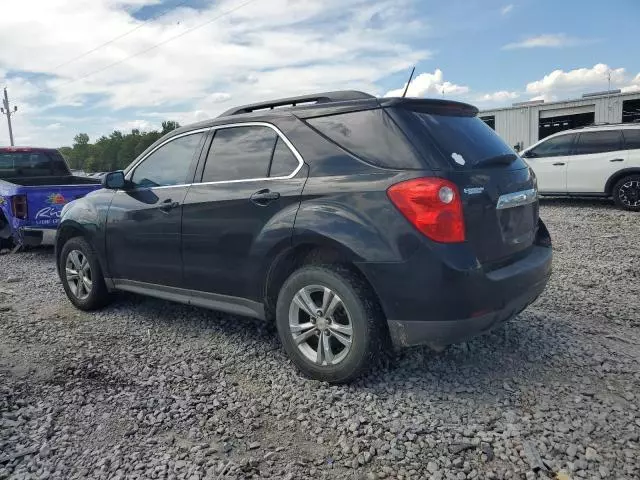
(31, 164)
(465, 141)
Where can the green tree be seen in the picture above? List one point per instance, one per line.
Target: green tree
(112, 152)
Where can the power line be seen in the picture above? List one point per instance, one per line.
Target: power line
(153, 47)
(6, 109)
(115, 39)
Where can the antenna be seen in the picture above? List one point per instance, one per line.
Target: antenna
(410, 77)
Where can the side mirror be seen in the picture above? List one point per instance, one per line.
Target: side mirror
(526, 154)
(114, 180)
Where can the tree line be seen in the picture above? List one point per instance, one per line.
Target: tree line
(110, 153)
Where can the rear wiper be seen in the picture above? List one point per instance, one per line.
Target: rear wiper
(505, 159)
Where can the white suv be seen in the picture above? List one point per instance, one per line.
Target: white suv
(602, 160)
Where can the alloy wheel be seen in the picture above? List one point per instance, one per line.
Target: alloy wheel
(320, 325)
(629, 193)
(78, 274)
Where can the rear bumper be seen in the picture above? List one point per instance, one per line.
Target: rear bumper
(439, 333)
(443, 295)
(32, 237)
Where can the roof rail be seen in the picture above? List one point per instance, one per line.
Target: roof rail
(605, 124)
(327, 97)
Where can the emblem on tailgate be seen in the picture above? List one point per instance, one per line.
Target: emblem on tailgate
(517, 199)
(473, 190)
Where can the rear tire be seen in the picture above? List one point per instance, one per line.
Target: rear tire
(626, 193)
(345, 335)
(81, 275)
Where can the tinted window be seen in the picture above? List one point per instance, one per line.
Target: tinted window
(465, 141)
(554, 147)
(370, 135)
(170, 164)
(284, 161)
(32, 164)
(599, 142)
(632, 138)
(239, 153)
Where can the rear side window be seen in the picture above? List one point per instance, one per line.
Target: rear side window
(632, 138)
(465, 141)
(599, 142)
(554, 147)
(284, 161)
(240, 153)
(31, 164)
(370, 135)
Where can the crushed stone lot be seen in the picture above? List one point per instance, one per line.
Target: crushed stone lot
(150, 389)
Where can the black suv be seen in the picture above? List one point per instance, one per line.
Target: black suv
(349, 220)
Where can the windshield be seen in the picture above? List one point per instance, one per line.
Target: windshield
(466, 141)
(31, 164)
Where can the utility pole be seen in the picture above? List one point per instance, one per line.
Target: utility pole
(6, 109)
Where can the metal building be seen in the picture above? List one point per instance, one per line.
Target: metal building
(525, 123)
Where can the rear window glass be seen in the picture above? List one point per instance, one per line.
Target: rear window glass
(465, 141)
(632, 138)
(598, 142)
(31, 164)
(370, 135)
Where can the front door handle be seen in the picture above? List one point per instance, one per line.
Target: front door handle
(264, 197)
(168, 205)
(617, 160)
(558, 164)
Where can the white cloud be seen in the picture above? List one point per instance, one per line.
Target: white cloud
(501, 96)
(429, 84)
(580, 80)
(142, 125)
(634, 86)
(506, 9)
(552, 40)
(260, 51)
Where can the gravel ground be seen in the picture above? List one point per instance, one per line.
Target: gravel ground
(149, 389)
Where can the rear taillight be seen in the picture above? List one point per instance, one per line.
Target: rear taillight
(433, 206)
(19, 206)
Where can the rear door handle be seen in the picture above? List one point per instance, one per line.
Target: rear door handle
(617, 160)
(168, 205)
(264, 197)
(558, 164)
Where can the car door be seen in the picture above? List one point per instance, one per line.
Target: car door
(144, 221)
(549, 161)
(243, 208)
(597, 155)
(632, 146)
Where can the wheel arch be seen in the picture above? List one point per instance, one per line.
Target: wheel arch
(613, 179)
(307, 253)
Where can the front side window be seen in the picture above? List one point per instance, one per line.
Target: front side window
(554, 147)
(169, 164)
(599, 142)
(239, 153)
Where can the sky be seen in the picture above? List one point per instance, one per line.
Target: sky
(95, 66)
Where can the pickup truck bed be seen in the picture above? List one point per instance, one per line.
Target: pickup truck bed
(35, 184)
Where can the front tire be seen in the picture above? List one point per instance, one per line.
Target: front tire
(329, 323)
(626, 193)
(81, 275)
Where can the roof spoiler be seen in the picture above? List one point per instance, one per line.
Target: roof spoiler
(326, 97)
(432, 105)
